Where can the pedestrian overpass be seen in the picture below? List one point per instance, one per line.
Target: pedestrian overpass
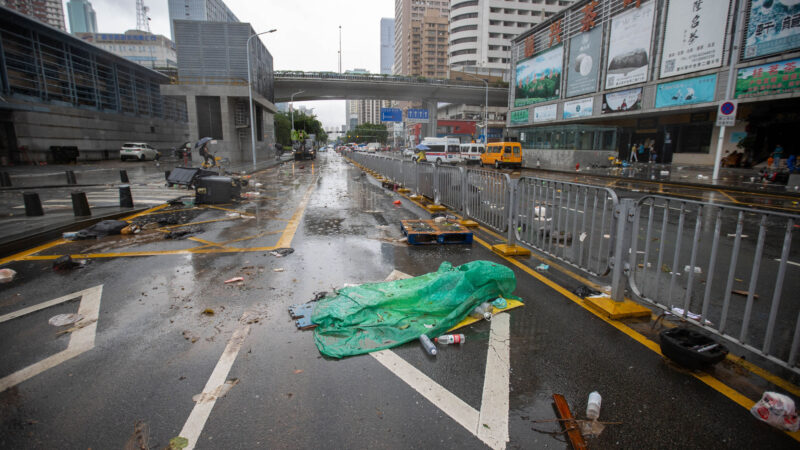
(304, 86)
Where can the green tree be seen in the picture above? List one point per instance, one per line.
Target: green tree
(368, 132)
(309, 123)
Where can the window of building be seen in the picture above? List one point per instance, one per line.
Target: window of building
(209, 117)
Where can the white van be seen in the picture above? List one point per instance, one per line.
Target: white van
(372, 147)
(442, 150)
(471, 153)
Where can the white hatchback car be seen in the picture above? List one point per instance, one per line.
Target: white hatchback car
(139, 151)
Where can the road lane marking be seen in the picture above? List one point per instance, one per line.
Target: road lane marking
(202, 408)
(457, 409)
(494, 401)
(80, 341)
(291, 228)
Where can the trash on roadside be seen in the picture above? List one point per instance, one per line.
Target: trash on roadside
(278, 269)
(234, 280)
(482, 311)
(733, 235)
(500, 303)
(665, 268)
(258, 185)
(182, 234)
(679, 312)
(66, 263)
(178, 443)
(218, 392)
(691, 349)
(7, 275)
(151, 226)
(377, 316)
(688, 269)
(542, 267)
(777, 410)
(78, 326)
(189, 336)
(583, 236)
(664, 173)
(585, 291)
(251, 194)
(100, 229)
(397, 202)
(440, 220)
(427, 345)
(447, 339)
(131, 229)
(744, 293)
(208, 312)
(64, 319)
(281, 252)
(233, 215)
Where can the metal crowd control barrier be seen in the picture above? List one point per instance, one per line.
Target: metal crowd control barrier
(568, 221)
(732, 271)
(722, 268)
(486, 198)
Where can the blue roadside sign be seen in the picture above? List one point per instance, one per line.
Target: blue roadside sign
(391, 115)
(417, 115)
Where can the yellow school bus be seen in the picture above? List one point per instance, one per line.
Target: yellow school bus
(502, 154)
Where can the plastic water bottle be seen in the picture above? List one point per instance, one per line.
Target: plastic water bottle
(482, 311)
(450, 339)
(593, 407)
(427, 345)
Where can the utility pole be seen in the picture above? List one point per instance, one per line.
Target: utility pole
(340, 49)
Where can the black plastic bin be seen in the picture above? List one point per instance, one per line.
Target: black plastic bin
(691, 349)
(217, 189)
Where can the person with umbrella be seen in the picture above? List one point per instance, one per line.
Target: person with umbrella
(420, 156)
(202, 144)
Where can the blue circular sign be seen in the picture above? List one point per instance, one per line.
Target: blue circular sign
(727, 108)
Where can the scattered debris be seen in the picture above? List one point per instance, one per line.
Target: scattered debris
(178, 443)
(733, 235)
(278, 269)
(140, 438)
(744, 293)
(64, 319)
(182, 234)
(777, 410)
(542, 268)
(427, 345)
(398, 202)
(131, 229)
(665, 268)
(100, 229)
(440, 219)
(691, 349)
(234, 280)
(583, 236)
(568, 421)
(233, 215)
(208, 312)
(585, 291)
(189, 336)
(679, 312)
(500, 303)
(7, 275)
(298, 371)
(281, 252)
(77, 327)
(150, 226)
(697, 269)
(66, 263)
(218, 392)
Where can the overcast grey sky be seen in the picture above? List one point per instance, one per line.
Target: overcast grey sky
(307, 36)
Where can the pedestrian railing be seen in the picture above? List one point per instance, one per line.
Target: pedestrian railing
(729, 270)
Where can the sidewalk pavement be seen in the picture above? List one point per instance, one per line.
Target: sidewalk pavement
(19, 232)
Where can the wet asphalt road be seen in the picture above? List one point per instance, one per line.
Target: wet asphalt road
(144, 368)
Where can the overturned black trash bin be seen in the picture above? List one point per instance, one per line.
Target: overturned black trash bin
(216, 189)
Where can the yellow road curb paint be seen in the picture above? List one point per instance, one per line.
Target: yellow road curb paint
(27, 253)
(294, 222)
(511, 250)
(617, 310)
(146, 211)
(511, 304)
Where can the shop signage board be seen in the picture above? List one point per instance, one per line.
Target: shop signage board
(538, 79)
(694, 37)
(773, 27)
(781, 77)
(629, 46)
(622, 101)
(578, 108)
(545, 113)
(686, 92)
(584, 62)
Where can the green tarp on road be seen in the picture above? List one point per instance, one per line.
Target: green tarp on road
(377, 316)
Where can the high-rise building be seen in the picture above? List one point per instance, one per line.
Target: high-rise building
(50, 12)
(481, 30)
(205, 10)
(420, 37)
(387, 45)
(82, 18)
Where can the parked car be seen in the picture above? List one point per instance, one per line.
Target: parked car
(502, 154)
(408, 153)
(139, 151)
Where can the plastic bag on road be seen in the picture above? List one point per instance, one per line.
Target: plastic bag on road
(376, 316)
(776, 410)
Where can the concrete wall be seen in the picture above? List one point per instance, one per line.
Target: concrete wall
(97, 134)
(565, 159)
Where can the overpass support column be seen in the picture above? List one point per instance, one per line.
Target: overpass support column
(429, 129)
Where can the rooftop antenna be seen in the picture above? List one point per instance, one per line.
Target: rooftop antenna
(142, 21)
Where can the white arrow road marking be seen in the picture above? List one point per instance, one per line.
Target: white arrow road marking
(80, 340)
(490, 425)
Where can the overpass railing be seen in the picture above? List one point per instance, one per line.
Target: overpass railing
(293, 74)
(732, 271)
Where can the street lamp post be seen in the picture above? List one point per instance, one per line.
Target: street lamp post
(291, 108)
(250, 95)
(485, 108)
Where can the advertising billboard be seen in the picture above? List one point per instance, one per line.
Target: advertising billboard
(627, 100)
(695, 36)
(774, 27)
(519, 117)
(686, 92)
(584, 62)
(539, 78)
(545, 113)
(578, 108)
(629, 47)
(768, 79)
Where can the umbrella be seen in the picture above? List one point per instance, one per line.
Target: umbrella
(203, 141)
(423, 147)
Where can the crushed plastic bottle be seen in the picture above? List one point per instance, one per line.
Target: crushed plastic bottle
(593, 407)
(482, 311)
(450, 339)
(427, 344)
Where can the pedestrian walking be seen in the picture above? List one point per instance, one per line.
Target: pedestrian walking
(634, 149)
(653, 154)
(777, 154)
